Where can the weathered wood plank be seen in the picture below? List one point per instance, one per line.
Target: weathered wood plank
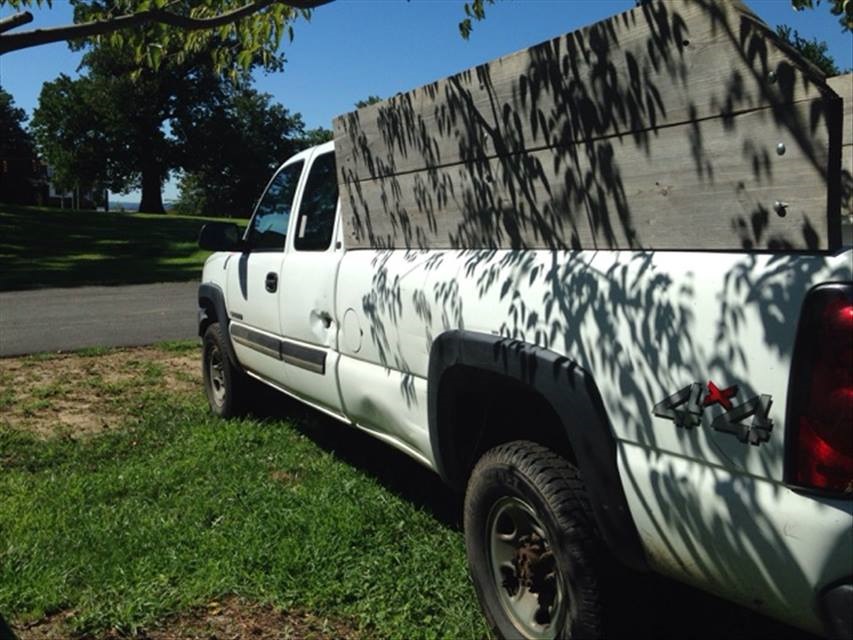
(559, 145)
(715, 184)
(709, 184)
(497, 202)
(658, 65)
(843, 86)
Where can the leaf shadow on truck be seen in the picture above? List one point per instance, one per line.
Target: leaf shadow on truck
(660, 314)
(601, 122)
(604, 220)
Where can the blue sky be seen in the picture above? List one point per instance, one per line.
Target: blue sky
(355, 48)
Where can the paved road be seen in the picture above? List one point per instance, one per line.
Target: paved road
(66, 319)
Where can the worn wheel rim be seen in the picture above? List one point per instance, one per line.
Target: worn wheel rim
(526, 575)
(216, 375)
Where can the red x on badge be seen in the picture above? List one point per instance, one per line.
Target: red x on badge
(719, 396)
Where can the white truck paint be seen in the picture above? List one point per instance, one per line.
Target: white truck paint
(709, 509)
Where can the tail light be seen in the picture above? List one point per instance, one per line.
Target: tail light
(820, 399)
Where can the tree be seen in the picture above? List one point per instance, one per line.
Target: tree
(841, 8)
(70, 135)
(16, 153)
(12, 132)
(230, 147)
(105, 128)
(111, 125)
(814, 50)
(313, 137)
(367, 102)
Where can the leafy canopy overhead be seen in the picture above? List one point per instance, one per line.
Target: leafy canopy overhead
(187, 26)
(841, 8)
(192, 25)
(144, 26)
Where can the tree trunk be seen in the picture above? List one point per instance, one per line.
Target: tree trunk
(152, 183)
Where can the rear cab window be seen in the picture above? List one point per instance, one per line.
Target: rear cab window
(317, 207)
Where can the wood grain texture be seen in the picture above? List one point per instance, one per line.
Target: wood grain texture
(515, 152)
(610, 194)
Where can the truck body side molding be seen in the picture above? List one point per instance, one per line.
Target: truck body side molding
(290, 352)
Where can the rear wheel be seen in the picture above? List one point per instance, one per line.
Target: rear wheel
(531, 545)
(223, 382)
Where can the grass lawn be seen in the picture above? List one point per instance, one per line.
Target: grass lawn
(42, 247)
(126, 510)
(124, 502)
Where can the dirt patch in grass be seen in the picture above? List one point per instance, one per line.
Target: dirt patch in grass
(81, 394)
(232, 618)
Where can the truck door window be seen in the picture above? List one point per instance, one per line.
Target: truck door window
(317, 210)
(268, 228)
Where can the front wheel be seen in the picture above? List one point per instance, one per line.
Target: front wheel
(223, 382)
(531, 544)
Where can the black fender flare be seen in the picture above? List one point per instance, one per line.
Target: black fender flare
(211, 295)
(574, 396)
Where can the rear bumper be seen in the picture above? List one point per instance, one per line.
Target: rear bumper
(836, 609)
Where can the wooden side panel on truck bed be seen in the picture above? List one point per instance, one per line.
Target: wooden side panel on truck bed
(676, 125)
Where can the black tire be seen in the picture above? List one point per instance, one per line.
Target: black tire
(224, 383)
(554, 575)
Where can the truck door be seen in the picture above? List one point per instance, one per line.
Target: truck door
(307, 303)
(252, 290)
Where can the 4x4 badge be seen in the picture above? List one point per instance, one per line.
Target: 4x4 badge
(685, 407)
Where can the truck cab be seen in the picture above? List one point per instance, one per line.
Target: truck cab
(292, 245)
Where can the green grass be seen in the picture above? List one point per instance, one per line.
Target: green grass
(179, 346)
(178, 508)
(43, 247)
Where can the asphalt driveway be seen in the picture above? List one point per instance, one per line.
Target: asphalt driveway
(68, 319)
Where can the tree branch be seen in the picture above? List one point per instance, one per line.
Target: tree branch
(17, 41)
(15, 20)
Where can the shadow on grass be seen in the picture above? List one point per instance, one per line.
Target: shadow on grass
(5, 631)
(393, 469)
(640, 605)
(42, 247)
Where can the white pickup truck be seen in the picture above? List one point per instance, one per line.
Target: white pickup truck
(688, 412)
(599, 285)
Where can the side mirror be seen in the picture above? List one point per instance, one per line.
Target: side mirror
(220, 236)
